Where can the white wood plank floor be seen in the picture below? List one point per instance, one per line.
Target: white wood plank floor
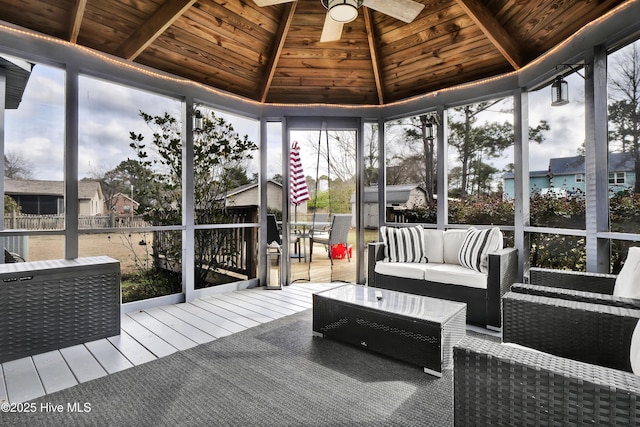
(151, 334)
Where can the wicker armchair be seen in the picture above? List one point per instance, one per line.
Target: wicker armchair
(592, 333)
(495, 384)
(596, 288)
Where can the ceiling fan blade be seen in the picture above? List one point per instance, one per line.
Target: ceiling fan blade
(403, 10)
(271, 2)
(332, 30)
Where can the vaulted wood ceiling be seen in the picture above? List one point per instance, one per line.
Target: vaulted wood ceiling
(272, 54)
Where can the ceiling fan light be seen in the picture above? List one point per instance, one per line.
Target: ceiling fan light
(343, 10)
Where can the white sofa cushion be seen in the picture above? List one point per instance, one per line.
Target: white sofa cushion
(409, 270)
(403, 244)
(433, 245)
(477, 245)
(434, 272)
(456, 275)
(628, 280)
(452, 240)
(634, 355)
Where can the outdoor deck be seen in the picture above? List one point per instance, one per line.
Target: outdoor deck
(320, 271)
(151, 334)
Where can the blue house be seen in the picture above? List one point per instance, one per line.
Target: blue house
(566, 176)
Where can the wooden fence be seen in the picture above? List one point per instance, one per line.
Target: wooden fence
(233, 249)
(56, 222)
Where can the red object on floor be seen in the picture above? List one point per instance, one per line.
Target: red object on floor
(339, 251)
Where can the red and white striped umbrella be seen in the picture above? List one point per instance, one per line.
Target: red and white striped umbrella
(299, 192)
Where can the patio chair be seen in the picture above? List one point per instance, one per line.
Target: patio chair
(273, 234)
(338, 233)
(622, 290)
(497, 384)
(591, 333)
(572, 366)
(11, 257)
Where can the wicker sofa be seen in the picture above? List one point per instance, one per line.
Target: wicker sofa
(571, 366)
(443, 276)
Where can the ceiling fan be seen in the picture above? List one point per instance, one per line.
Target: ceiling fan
(340, 12)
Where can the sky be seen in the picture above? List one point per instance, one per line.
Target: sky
(108, 112)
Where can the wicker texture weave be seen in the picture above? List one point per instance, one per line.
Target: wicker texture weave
(499, 385)
(423, 338)
(591, 333)
(580, 281)
(570, 294)
(56, 305)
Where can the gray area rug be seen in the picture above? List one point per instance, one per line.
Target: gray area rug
(275, 374)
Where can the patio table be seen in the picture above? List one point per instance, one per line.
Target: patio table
(412, 328)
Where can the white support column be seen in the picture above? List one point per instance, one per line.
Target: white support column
(521, 177)
(382, 176)
(262, 235)
(443, 176)
(71, 201)
(360, 167)
(188, 202)
(3, 98)
(596, 160)
(285, 277)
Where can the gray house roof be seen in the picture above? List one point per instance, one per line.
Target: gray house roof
(395, 193)
(249, 186)
(618, 162)
(86, 189)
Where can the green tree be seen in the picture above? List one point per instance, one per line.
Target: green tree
(624, 111)
(219, 164)
(475, 143)
(17, 166)
(415, 131)
(132, 178)
(11, 206)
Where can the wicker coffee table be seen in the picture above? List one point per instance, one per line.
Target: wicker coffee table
(412, 328)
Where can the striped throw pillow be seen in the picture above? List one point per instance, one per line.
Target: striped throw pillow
(476, 246)
(403, 244)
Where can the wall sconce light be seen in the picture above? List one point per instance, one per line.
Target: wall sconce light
(198, 121)
(429, 130)
(430, 120)
(560, 87)
(559, 92)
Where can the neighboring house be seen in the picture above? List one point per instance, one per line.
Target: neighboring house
(566, 175)
(404, 196)
(248, 195)
(121, 204)
(37, 197)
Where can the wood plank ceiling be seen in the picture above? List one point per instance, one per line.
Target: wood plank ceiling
(272, 54)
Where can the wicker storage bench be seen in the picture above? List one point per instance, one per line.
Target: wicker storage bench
(47, 305)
